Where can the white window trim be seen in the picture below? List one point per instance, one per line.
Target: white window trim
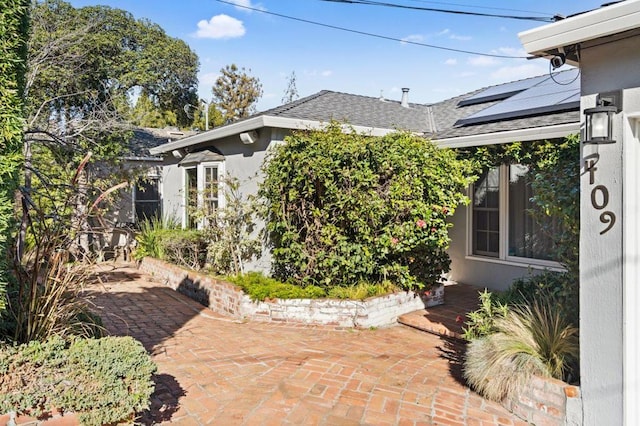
(503, 256)
(200, 187)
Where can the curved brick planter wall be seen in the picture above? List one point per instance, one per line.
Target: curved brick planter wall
(547, 402)
(227, 299)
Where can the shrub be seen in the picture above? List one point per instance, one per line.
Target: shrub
(362, 291)
(560, 286)
(164, 239)
(343, 208)
(481, 322)
(103, 380)
(528, 341)
(259, 287)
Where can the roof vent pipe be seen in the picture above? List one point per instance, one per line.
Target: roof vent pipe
(405, 97)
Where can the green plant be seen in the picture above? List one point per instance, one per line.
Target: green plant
(529, 340)
(259, 288)
(184, 247)
(149, 238)
(481, 322)
(45, 298)
(229, 231)
(560, 286)
(362, 290)
(14, 15)
(343, 207)
(103, 380)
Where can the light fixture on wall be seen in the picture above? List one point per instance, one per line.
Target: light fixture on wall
(599, 120)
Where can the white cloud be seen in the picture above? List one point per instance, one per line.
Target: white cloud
(220, 27)
(518, 72)
(451, 61)
(316, 73)
(482, 61)
(413, 38)
(511, 51)
(453, 36)
(244, 4)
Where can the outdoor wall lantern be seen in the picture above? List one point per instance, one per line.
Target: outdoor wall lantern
(599, 120)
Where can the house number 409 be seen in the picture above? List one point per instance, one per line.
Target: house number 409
(600, 196)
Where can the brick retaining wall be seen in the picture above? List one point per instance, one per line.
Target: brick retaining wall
(547, 402)
(227, 299)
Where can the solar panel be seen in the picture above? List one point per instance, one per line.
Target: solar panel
(503, 91)
(560, 93)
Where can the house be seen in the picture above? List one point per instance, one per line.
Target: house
(113, 232)
(605, 45)
(544, 107)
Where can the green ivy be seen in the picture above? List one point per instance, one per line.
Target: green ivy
(13, 53)
(344, 208)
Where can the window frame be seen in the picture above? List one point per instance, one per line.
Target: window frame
(503, 255)
(200, 187)
(134, 201)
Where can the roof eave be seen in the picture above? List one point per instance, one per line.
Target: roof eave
(255, 124)
(602, 22)
(520, 135)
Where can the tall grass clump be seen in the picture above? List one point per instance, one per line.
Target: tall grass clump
(529, 340)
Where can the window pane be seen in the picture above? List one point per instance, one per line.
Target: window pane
(486, 215)
(147, 199)
(191, 194)
(527, 237)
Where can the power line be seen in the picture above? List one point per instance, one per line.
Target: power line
(431, 9)
(416, 43)
(482, 7)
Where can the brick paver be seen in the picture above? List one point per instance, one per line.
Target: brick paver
(213, 370)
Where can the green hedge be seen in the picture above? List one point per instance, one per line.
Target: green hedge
(13, 53)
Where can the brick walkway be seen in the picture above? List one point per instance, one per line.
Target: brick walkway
(216, 371)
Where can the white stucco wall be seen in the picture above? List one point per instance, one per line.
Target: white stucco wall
(242, 162)
(609, 261)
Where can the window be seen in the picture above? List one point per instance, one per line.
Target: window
(146, 199)
(486, 214)
(202, 187)
(502, 224)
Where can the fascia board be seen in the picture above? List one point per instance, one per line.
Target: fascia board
(211, 135)
(602, 22)
(522, 135)
(255, 124)
(300, 124)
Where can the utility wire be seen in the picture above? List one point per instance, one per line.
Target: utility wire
(431, 9)
(449, 49)
(481, 7)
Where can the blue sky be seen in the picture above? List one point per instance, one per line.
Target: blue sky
(322, 58)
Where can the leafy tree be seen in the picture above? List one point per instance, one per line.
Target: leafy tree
(13, 53)
(83, 65)
(236, 93)
(146, 113)
(291, 92)
(214, 115)
(342, 208)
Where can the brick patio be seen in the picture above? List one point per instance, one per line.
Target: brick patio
(213, 370)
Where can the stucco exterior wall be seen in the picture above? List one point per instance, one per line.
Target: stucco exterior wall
(610, 64)
(242, 162)
(609, 259)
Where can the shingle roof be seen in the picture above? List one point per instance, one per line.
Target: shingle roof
(374, 112)
(146, 137)
(357, 110)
